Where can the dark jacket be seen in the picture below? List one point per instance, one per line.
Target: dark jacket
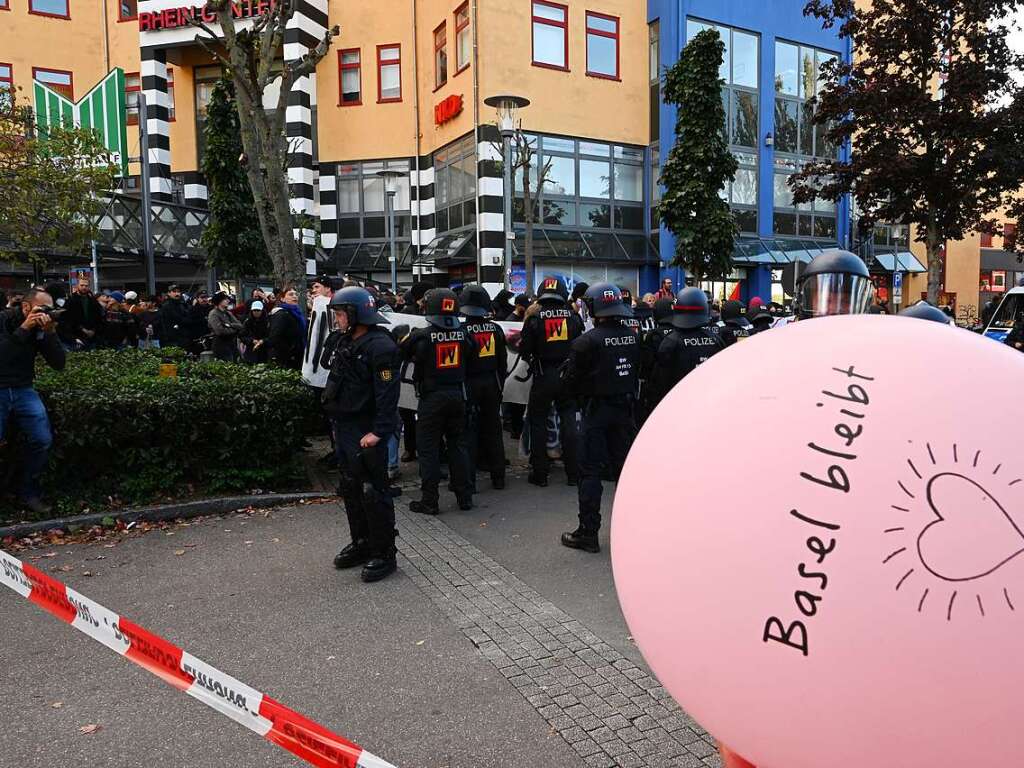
(119, 330)
(255, 329)
(82, 312)
(284, 342)
(173, 321)
(363, 385)
(18, 350)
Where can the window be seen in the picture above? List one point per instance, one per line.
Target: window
(463, 39)
(1009, 236)
(550, 35)
(741, 194)
(739, 70)
(602, 46)
(798, 81)
(56, 80)
(440, 56)
(389, 73)
(5, 5)
(361, 200)
(455, 185)
(350, 78)
(127, 10)
(58, 8)
(6, 78)
(170, 94)
(986, 239)
(132, 89)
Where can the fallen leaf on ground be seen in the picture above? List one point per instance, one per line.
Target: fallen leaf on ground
(420, 642)
(65, 568)
(247, 542)
(331, 658)
(91, 728)
(49, 554)
(57, 704)
(87, 573)
(179, 551)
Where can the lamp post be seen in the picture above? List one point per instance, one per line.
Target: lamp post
(508, 107)
(389, 202)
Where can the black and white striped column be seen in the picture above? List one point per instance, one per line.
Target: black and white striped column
(196, 193)
(421, 185)
(153, 71)
(491, 216)
(305, 30)
(328, 205)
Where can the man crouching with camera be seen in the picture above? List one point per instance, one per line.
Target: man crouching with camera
(26, 330)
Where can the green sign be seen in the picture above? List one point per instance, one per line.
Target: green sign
(103, 109)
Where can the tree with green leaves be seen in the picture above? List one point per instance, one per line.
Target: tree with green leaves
(53, 183)
(253, 57)
(933, 115)
(699, 165)
(233, 239)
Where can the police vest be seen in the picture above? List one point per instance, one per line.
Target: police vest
(349, 386)
(633, 324)
(488, 338)
(617, 351)
(440, 362)
(555, 336)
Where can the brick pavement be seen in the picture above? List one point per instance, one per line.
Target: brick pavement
(612, 712)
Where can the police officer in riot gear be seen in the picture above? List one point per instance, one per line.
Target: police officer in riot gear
(734, 325)
(648, 354)
(486, 371)
(836, 282)
(361, 398)
(690, 343)
(925, 311)
(633, 321)
(603, 371)
(441, 353)
(548, 333)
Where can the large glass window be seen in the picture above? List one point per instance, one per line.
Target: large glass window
(132, 89)
(361, 195)
(59, 8)
(550, 35)
(602, 45)
(389, 73)
(741, 194)
(595, 179)
(455, 186)
(463, 38)
(440, 55)
(57, 80)
(816, 219)
(350, 78)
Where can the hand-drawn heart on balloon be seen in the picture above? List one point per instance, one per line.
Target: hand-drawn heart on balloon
(965, 511)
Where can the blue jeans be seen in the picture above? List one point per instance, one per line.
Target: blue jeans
(393, 452)
(22, 404)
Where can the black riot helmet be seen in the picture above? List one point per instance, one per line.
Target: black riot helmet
(835, 283)
(605, 300)
(690, 309)
(360, 306)
(474, 301)
(734, 311)
(442, 308)
(925, 311)
(552, 288)
(663, 311)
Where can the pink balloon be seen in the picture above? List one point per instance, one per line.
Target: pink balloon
(839, 579)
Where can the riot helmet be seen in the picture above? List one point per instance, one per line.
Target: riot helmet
(925, 311)
(474, 301)
(605, 300)
(690, 309)
(734, 311)
(442, 308)
(552, 288)
(360, 306)
(834, 283)
(663, 311)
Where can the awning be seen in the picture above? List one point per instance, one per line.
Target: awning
(993, 258)
(361, 256)
(582, 245)
(900, 261)
(776, 252)
(449, 250)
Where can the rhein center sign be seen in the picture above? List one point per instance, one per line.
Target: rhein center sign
(174, 18)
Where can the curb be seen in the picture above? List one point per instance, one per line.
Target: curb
(184, 510)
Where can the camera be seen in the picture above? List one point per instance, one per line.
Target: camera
(53, 312)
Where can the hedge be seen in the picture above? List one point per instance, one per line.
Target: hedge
(123, 435)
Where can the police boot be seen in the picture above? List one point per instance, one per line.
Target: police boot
(424, 507)
(354, 554)
(581, 539)
(498, 482)
(465, 502)
(379, 567)
(535, 478)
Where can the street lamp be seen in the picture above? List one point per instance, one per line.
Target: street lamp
(508, 107)
(389, 195)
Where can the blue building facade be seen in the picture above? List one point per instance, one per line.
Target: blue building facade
(773, 57)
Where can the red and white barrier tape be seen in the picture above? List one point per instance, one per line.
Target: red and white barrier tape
(246, 706)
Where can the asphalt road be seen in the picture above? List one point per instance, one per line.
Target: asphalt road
(383, 665)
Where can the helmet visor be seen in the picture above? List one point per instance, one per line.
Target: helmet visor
(835, 293)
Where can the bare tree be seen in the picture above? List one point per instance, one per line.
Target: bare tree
(523, 155)
(253, 58)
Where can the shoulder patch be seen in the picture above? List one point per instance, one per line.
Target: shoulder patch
(385, 374)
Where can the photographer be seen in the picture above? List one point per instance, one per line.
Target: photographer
(25, 330)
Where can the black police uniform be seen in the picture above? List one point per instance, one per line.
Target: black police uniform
(732, 330)
(486, 372)
(649, 344)
(603, 371)
(679, 354)
(440, 356)
(361, 396)
(546, 342)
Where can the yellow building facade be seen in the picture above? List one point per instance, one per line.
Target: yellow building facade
(402, 88)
